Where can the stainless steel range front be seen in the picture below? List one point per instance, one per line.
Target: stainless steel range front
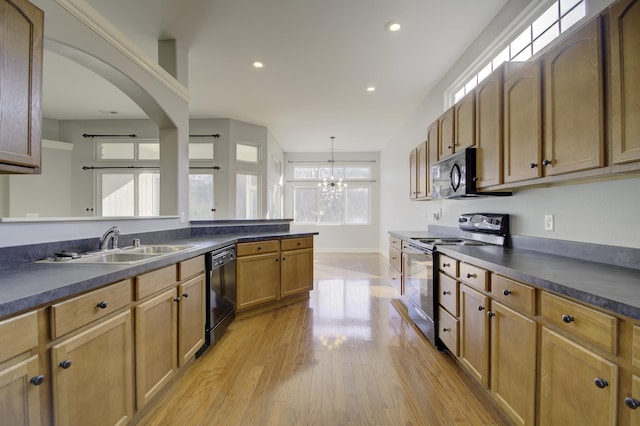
(419, 268)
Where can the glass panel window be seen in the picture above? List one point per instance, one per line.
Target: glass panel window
(246, 196)
(115, 151)
(358, 172)
(546, 38)
(325, 172)
(149, 151)
(148, 194)
(201, 151)
(471, 84)
(305, 205)
(502, 57)
(305, 172)
(459, 95)
(246, 153)
(118, 194)
(201, 196)
(357, 205)
(567, 5)
(331, 210)
(572, 17)
(520, 42)
(524, 55)
(544, 21)
(484, 72)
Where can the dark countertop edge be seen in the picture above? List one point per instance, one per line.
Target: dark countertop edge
(96, 276)
(573, 291)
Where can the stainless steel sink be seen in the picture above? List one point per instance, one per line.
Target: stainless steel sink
(126, 255)
(114, 258)
(155, 249)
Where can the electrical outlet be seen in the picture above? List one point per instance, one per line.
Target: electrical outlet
(548, 222)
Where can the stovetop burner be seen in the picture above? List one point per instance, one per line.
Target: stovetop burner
(476, 229)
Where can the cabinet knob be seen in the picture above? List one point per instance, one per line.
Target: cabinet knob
(450, 146)
(177, 299)
(446, 265)
(259, 248)
(444, 293)
(533, 165)
(102, 305)
(472, 276)
(546, 162)
(481, 308)
(567, 318)
(37, 380)
(185, 294)
(491, 314)
(631, 402)
(65, 364)
(444, 330)
(284, 258)
(299, 243)
(601, 383)
(506, 292)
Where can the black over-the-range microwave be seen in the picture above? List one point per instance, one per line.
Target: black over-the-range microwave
(455, 177)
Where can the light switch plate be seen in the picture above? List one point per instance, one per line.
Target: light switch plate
(548, 222)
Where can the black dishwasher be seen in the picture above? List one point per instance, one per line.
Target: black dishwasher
(221, 293)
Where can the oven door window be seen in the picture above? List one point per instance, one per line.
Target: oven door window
(419, 280)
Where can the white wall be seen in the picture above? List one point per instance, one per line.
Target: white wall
(339, 238)
(601, 212)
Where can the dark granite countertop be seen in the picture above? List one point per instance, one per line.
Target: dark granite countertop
(610, 287)
(30, 285)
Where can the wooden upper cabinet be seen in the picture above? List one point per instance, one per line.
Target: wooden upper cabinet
(433, 133)
(523, 124)
(446, 137)
(574, 102)
(465, 122)
(413, 174)
(21, 26)
(624, 23)
(489, 130)
(422, 183)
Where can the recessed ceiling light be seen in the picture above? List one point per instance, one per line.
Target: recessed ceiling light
(393, 26)
(371, 89)
(258, 64)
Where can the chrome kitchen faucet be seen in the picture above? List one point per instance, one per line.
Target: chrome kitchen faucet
(111, 235)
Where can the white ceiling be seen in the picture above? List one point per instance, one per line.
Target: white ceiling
(320, 57)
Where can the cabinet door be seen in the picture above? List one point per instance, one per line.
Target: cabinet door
(156, 344)
(19, 396)
(92, 375)
(446, 137)
(474, 333)
(577, 386)
(422, 184)
(257, 279)
(632, 399)
(489, 130)
(513, 363)
(297, 272)
(465, 122)
(523, 125)
(21, 81)
(574, 103)
(432, 153)
(413, 174)
(191, 318)
(624, 21)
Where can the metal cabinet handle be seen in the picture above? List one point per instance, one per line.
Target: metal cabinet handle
(444, 330)
(259, 248)
(631, 403)
(601, 383)
(185, 294)
(533, 165)
(472, 276)
(446, 265)
(481, 308)
(37, 380)
(567, 318)
(444, 293)
(546, 162)
(65, 364)
(177, 299)
(506, 292)
(491, 314)
(102, 305)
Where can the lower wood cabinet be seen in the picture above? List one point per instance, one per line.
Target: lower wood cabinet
(191, 318)
(296, 273)
(474, 333)
(577, 386)
(258, 279)
(92, 375)
(19, 393)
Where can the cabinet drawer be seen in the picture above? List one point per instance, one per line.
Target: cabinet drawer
(395, 243)
(19, 334)
(190, 267)
(81, 310)
(154, 281)
(259, 247)
(592, 326)
(395, 279)
(395, 259)
(448, 265)
(449, 330)
(448, 296)
(296, 243)
(518, 295)
(475, 276)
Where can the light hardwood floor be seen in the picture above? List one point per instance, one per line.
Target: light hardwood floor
(345, 357)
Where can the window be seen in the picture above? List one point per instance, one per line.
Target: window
(246, 196)
(247, 153)
(350, 207)
(201, 196)
(130, 193)
(555, 20)
(146, 149)
(201, 150)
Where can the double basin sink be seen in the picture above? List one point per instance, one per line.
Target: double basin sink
(126, 255)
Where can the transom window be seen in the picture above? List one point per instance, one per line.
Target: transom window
(555, 20)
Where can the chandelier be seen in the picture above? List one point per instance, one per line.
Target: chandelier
(331, 188)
